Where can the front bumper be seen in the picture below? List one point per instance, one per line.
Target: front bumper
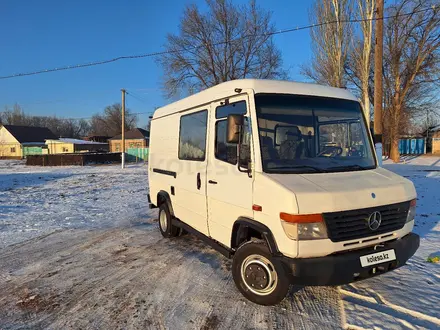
(343, 268)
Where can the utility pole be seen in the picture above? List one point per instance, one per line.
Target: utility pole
(427, 130)
(378, 86)
(123, 130)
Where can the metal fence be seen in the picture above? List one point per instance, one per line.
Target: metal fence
(412, 146)
(27, 151)
(137, 154)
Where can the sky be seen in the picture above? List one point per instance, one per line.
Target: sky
(47, 34)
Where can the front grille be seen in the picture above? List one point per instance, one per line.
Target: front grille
(353, 224)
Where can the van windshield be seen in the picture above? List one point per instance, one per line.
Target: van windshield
(310, 134)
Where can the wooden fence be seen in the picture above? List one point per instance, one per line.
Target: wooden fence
(73, 159)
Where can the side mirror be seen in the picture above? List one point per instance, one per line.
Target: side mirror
(235, 122)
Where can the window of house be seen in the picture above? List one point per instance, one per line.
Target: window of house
(13, 150)
(192, 136)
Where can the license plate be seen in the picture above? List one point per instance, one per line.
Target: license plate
(377, 258)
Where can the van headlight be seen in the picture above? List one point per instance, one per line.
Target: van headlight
(303, 227)
(412, 211)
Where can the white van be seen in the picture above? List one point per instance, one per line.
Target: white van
(283, 178)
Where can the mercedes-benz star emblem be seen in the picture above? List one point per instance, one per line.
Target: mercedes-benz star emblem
(374, 220)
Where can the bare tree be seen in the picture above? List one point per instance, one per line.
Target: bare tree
(110, 123)
(330, 42)
(359, 66)
(411, 64)
(59, 126)
(226, 43)
(15, 116)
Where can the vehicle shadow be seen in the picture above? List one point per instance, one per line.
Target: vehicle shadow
(406, 158)
(300, 300)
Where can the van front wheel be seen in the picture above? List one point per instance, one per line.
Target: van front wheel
(259, 277)
(165, 224)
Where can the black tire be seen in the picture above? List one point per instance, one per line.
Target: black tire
(165, 226)
(256, 261)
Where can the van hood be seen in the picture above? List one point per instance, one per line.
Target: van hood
(341, 191)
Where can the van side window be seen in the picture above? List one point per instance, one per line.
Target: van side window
(223, 150)
(192, 136)
(228, 151)
(233, 108)
(245, 147)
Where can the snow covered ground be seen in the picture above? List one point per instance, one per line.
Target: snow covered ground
(408, 297)
(80, 248)
(38, 200)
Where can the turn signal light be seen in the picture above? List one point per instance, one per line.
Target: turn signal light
(303, 218)
(413, 203)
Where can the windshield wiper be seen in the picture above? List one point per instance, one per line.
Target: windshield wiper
(349, 167)
(316, 169)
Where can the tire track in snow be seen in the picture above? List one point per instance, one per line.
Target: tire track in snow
(130, 277)
(380, 304)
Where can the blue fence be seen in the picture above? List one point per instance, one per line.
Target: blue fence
(412, 146)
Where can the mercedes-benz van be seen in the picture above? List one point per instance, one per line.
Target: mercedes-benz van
(283, 178)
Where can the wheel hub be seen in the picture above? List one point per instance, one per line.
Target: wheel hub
(163, 220)
(256, 276)
(259, 275)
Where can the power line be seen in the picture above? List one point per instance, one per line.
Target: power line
(130, 113)
(84, 65)
(136, 96)
(86, 118)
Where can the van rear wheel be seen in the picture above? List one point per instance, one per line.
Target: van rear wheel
(260, 278)
(166, 227)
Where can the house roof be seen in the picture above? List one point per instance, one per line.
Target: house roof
(134, 134)
(230, 88)
(435, 128)
(25, 134)
(72, 141)
(89, 137)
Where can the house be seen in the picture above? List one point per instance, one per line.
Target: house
(19, 141)
(97, 138)
(136, 138)
(69, 146)
(435, 136)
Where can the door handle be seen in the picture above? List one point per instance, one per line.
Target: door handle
(199, 181)
(212, 182)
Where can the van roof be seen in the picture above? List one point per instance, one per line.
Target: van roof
(227, 89)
